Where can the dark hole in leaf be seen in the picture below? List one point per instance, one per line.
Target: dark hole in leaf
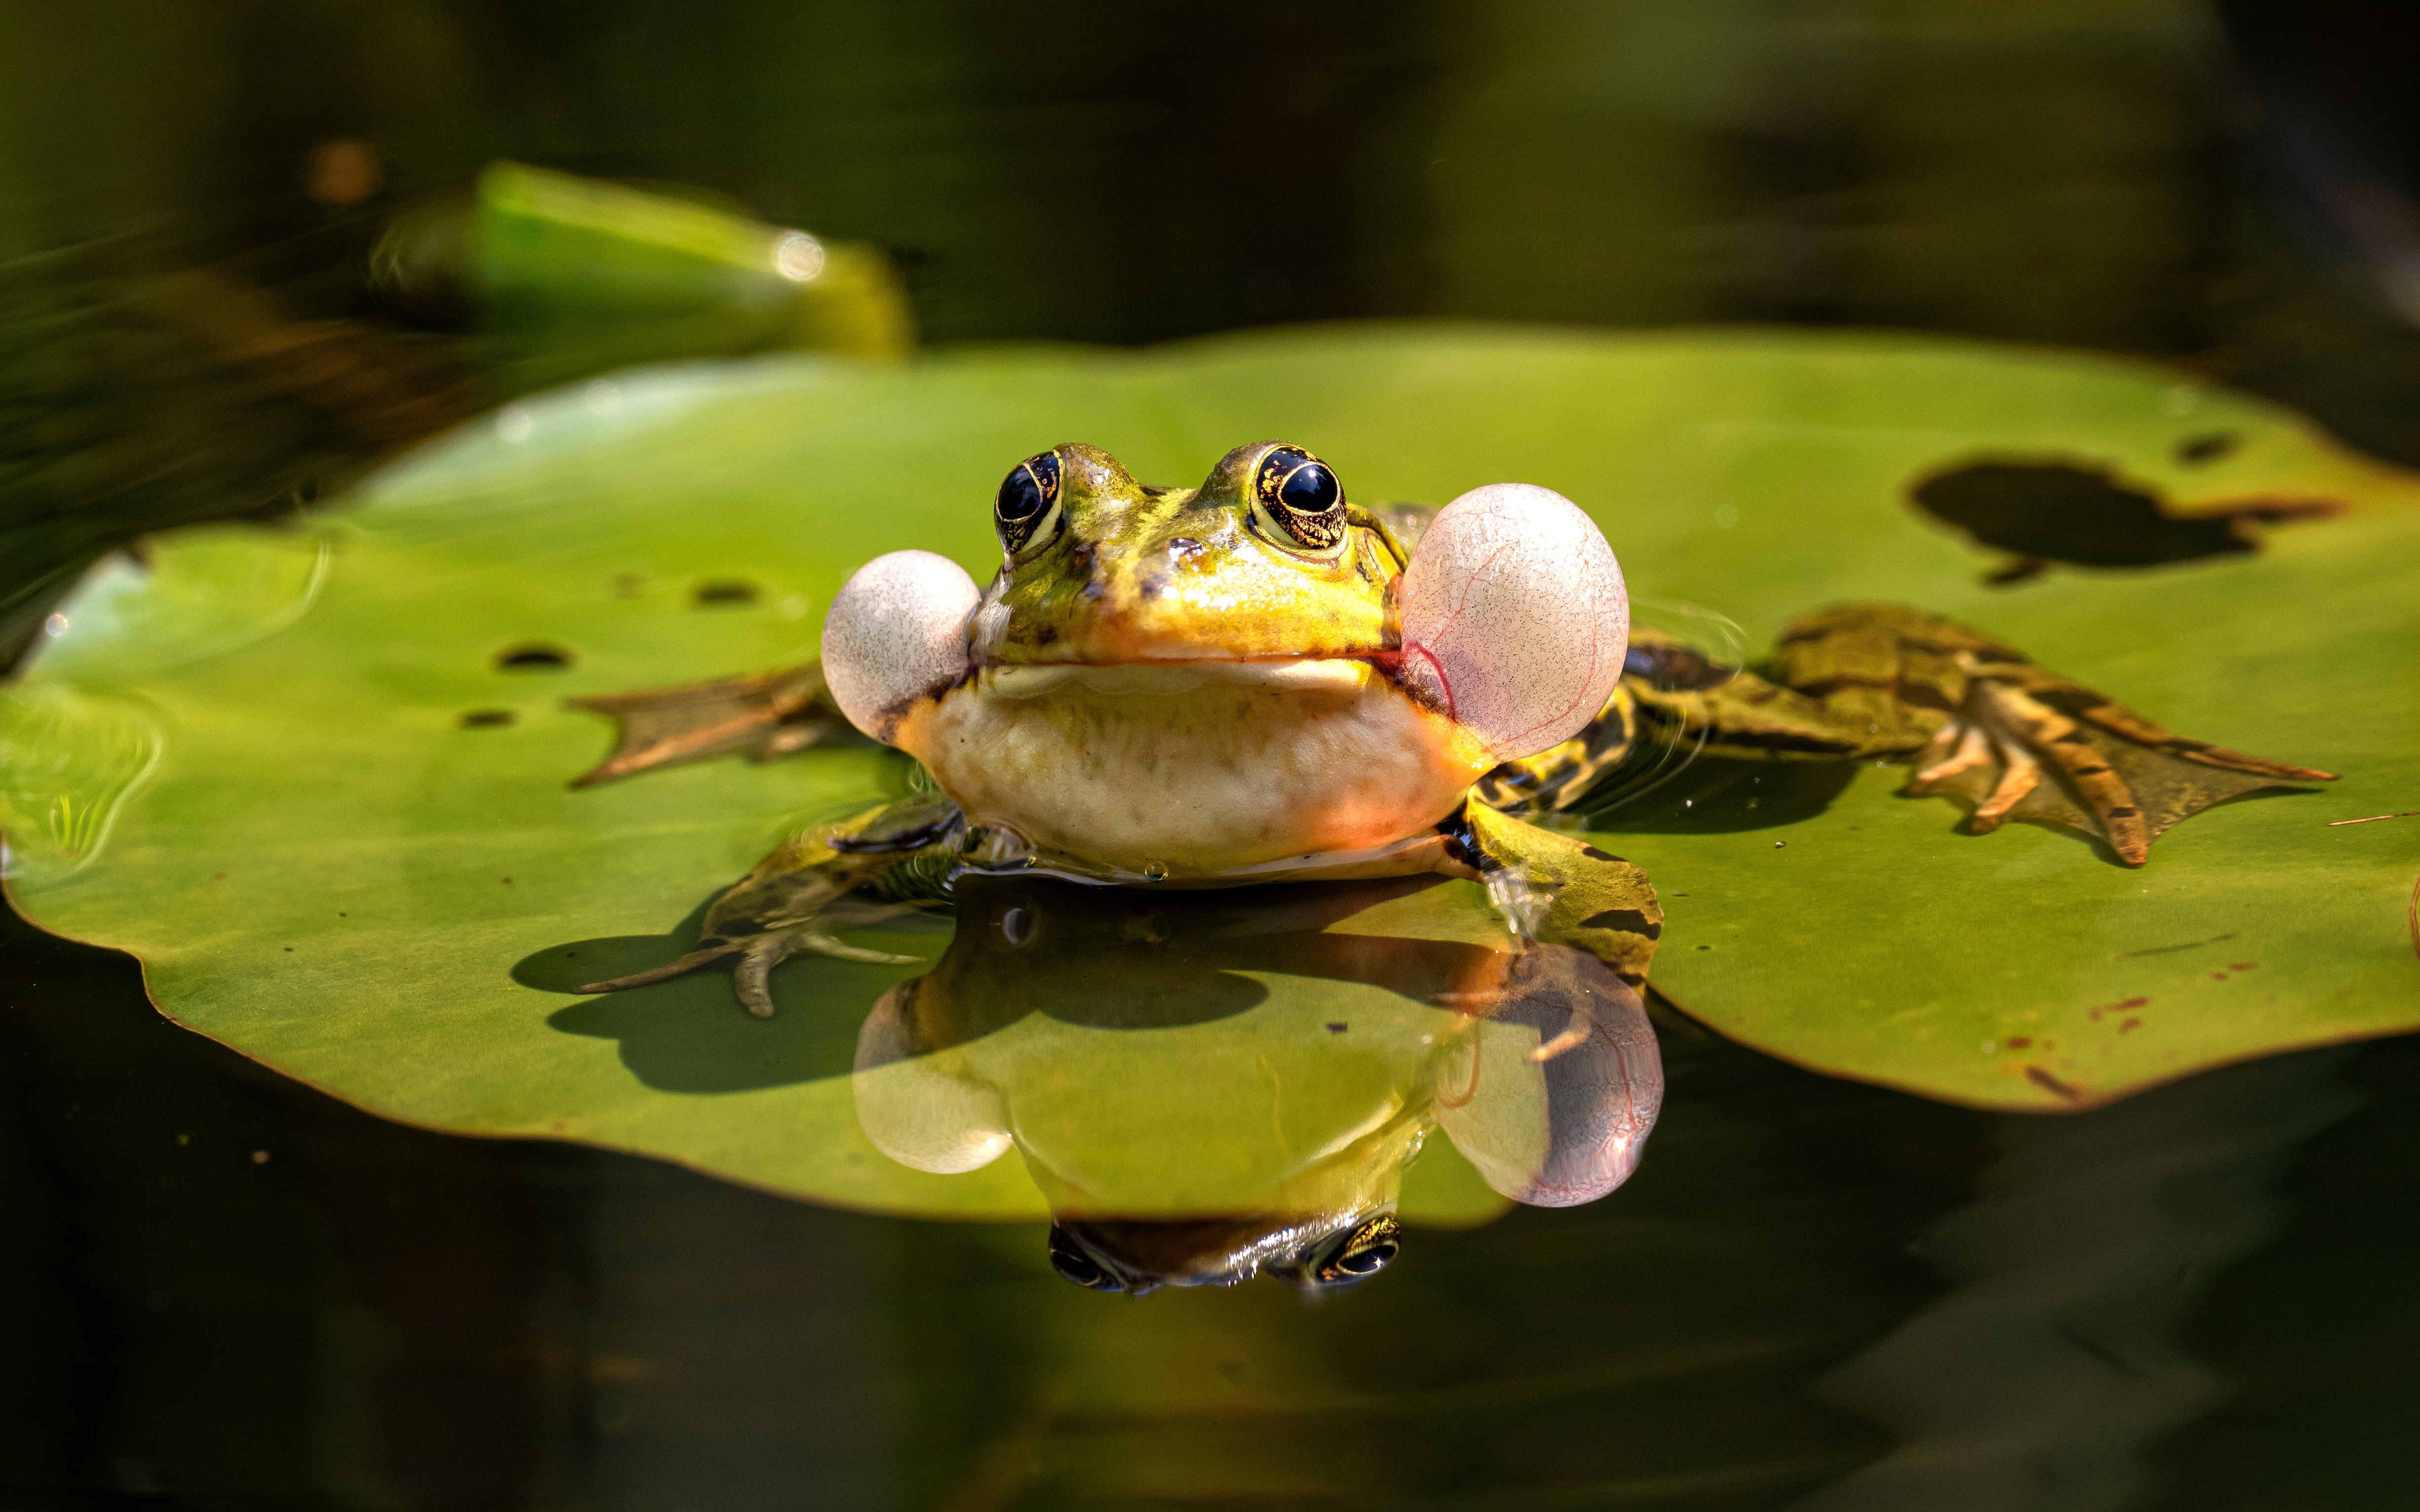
(486, 718)
(2198, 450)
(721, 593)
(2087, 516)
(536, 656)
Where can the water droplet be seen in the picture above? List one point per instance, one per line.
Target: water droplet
(55, 626)
(1155, 870)
(798, 257)
(1780, 844)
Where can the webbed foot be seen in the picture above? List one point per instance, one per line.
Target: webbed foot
(849, 874)
(2014, 739)
(761, 716)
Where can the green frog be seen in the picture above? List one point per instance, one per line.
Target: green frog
(1260, 680)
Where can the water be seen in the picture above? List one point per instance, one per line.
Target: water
(224, 1288)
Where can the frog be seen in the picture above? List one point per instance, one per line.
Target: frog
(1261, 680)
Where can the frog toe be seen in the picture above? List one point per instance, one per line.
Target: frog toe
(703, 955)
(2055, 755)
(752, 973)
(1958, 748)
(2020, 778)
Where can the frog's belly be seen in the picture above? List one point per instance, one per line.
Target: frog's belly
(1196, 773)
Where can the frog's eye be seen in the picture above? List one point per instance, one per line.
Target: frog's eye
(1068, 1259)
(1295, 491)
(1368, 1251)
(1027, 512)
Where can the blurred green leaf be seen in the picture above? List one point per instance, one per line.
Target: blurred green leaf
(571, 276)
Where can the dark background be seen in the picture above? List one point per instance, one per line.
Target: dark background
(218, 1289)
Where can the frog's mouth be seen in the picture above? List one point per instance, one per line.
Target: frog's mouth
(1304, 674)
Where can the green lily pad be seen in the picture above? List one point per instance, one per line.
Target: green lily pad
(352, 846)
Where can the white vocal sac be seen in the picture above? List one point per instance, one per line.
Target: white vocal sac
(898, 632)
(1514, 617)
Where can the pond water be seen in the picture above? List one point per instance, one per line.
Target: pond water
(220, 1287)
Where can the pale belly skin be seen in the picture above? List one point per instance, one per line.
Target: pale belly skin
(1195, 771)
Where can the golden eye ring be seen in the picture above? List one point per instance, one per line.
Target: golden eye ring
(1025, 512)
(1299, 496)
(1369, 1250)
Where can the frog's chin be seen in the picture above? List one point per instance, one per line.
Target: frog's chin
(1250, 766)
(1304, 674)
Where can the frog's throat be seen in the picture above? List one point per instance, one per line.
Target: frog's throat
(1186, 772)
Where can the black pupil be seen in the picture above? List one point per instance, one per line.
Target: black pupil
(1362, 1262)
(1310, 489)
(1028, 492)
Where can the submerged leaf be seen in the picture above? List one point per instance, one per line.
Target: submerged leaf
(68, 761)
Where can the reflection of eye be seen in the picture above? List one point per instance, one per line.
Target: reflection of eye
(1366, 1253)
(1295, 490)
(1069, 1261)
(1027, 512)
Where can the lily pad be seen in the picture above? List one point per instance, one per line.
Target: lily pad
(357, 822)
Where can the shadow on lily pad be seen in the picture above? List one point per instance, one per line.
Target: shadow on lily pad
(1720, 796)
(689, 1035)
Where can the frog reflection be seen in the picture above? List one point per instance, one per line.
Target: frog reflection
(1212, 1086)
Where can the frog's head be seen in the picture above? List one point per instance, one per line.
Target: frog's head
(1266, 564)
(1188, 682)
(1136, 1256)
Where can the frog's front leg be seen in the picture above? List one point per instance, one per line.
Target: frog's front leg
(834, 876)
(1561, 888)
